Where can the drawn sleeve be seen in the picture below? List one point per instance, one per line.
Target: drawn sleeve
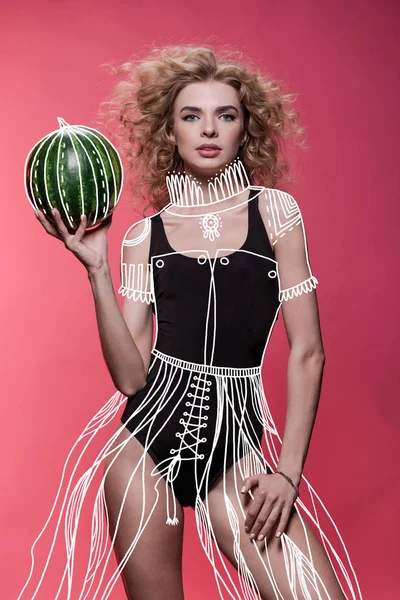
(286, 231)
(136, 274)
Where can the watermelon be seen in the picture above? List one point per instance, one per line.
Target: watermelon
(77, 170)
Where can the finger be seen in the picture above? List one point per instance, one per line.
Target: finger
(248, 483)
(46, 224)
(253, 510)
(283, 520)
(80, 232)
(268, 502)
(60, 224)
(269, 522)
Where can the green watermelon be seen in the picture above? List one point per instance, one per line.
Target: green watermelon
(76, 170)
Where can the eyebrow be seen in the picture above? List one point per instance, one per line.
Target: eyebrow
(219, 108)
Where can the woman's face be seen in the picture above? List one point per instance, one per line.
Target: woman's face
(208, 112)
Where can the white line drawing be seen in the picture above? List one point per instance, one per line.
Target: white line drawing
(210, 225)
(185, 191)
(236, 396)
(74, 135)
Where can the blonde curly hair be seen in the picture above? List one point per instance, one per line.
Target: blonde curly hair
(141, 107)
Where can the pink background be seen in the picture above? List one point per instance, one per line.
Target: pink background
(340, 58)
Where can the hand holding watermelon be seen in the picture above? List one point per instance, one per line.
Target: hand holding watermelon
(90, 247)
(73, 180)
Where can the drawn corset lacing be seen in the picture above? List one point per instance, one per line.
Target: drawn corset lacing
(193, 425)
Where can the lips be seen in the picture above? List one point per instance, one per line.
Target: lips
(208, 147)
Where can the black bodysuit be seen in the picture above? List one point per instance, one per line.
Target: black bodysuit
(205, 312)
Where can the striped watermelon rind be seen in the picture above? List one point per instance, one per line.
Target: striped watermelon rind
(77, 170)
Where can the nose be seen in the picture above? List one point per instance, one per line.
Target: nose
(209, 128)
(210, 132)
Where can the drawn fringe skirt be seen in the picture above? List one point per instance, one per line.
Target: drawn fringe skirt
(194, 421)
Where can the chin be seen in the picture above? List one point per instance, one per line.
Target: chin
(209, 165)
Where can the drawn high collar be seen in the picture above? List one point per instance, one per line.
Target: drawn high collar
(184, 190)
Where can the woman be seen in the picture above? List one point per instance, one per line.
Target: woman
(215, 263)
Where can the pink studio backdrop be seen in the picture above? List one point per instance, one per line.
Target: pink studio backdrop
(340, 58)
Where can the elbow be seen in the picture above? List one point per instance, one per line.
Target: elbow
(314, 354)
(318, 355)
(127, 390)
(131, 388)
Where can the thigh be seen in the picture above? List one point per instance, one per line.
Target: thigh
(137, 518)
(266, 560)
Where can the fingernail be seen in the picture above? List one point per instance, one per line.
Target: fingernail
(252, 536)
(278, 533)
(53, 212)
(246, 529)
(36, 213)
(260, 537)
(243, 489)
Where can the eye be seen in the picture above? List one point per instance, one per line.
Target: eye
(230, 117)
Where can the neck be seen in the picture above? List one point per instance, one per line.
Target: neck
(185, 190)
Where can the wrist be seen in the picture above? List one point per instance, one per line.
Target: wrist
(294, 474)
(99, 271)
(289, 480)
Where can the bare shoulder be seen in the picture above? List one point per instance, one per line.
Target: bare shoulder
(280, 213)
(137, 232)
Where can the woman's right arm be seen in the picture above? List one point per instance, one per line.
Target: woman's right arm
(125, 350)
(125, 337)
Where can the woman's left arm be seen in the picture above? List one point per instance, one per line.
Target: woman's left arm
(274, 496)
(307, 357)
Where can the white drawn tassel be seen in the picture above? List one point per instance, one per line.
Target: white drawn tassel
(246, 579)
(137, 282)
(171, 476)
(304, 287)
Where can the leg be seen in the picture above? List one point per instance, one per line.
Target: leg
(153, 570)
(265, 560)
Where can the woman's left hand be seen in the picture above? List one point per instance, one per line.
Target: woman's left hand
(273, 497)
